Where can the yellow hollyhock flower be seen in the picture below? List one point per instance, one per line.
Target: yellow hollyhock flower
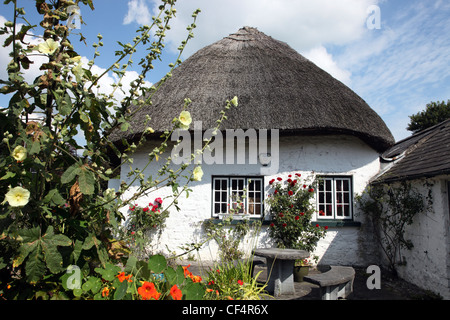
(185, 119)
(19, 153)
(49, 46)
(197, 173)
(17, 197)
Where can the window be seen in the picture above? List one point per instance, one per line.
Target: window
(334, 198)
(227, 190)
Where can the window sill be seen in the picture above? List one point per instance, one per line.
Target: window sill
(322, 223)
(216, 220)
(337, 223)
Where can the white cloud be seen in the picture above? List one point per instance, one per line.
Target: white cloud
(137, 12)
(305, 25)
(324, 60)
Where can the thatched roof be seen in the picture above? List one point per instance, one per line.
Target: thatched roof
(277, 88)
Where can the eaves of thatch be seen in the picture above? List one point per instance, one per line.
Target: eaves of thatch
(277, 88)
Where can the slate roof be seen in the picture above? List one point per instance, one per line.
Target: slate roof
(424, 154)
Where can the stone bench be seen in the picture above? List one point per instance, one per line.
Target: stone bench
(280, 269)
(335, 283)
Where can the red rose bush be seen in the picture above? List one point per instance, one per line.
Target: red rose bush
(291, 208)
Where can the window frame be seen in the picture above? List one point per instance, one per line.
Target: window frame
(246, 200)
(334, 197)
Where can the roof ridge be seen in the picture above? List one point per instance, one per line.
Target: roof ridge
(246, 33)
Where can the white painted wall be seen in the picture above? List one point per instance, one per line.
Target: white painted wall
(331, 154)
(428, 263)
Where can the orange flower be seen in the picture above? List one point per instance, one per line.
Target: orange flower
(187, 273)
(105, 292)
(175, 293)
(121, 276)
(196, 278)
(148, 291)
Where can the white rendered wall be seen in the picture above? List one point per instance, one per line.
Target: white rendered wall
(428, 262)
(334, 155)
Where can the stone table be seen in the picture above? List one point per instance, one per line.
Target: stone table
(280, 268)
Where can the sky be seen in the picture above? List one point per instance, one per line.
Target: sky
(395, 54)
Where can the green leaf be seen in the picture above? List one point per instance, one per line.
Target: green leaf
(53, 197)
(35, 147)
(194, 291)
(30, 239)
(77, 292)
(175, 276)
(8, 175)
(78, 247)
(70, 173)
(35, 266)
(41, 251)
(89, 242)
(157, 263)
(86, 179)
(121, 291)
(131, 264)
(93, 284)
(125, 126)
(109, 273)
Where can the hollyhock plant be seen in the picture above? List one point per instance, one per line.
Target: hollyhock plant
(291, 208)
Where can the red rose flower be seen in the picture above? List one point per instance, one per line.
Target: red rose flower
(145, 209)
(275, 192)
(290, 193)
(326, 227)
(311, 190)
(272, 225)
(279, 179)
(284, 225)
(281, 214)
(317, 225)
(297, 217)
(302, 213)
(241, 283)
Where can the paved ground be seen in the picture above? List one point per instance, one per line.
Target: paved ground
(391, 289)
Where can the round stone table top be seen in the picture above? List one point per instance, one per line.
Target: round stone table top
(281, 254)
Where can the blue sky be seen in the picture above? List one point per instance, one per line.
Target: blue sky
(397, 69)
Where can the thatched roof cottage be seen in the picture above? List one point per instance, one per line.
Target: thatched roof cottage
(323, 126)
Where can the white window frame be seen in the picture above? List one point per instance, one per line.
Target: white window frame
(230, 190)
(334, 205)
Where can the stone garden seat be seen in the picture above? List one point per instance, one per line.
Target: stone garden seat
(335, 283)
